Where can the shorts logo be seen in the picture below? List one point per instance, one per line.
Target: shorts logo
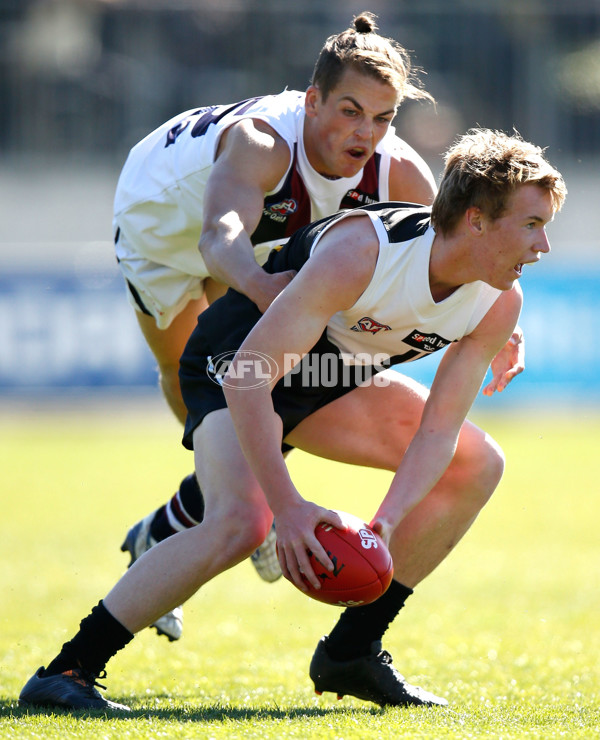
(284, 208)
(252, 369)
(370, 325)
(425, 342)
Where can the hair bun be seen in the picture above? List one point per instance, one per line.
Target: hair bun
(365, 23)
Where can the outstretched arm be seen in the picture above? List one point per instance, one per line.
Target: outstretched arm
(453, 391)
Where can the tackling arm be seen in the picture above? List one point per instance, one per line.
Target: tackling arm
(250, 162)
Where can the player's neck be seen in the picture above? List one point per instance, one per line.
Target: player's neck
(449, 266)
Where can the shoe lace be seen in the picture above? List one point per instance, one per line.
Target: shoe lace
(386, 659)
(101, 675)
(87, 679)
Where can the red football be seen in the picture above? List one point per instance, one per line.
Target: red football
(363, 567)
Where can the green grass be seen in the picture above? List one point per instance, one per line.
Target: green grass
(508, 628)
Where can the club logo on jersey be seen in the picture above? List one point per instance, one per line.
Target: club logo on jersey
(425, 342)
(370, 325)
(284, 208)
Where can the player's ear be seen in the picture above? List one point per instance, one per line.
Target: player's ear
(311, 101)
(475, 219)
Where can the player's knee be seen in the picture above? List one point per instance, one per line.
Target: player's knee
(257, 521)
(244, 526)
(169, 384)
(495, 462)
(169, 379)
(487, 467)
(478, 466)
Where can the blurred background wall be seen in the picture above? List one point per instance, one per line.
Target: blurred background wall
(81, 81)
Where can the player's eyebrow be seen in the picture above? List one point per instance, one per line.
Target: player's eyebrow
(356, 104)
(539, 219)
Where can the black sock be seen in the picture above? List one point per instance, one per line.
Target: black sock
(160, 528)
(184, 510)
(191, 499)
(359, 626)
(100, 637)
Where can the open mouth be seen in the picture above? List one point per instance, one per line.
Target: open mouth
(519, 268)
(357, 152)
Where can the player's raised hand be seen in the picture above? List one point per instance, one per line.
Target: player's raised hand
(508, 363)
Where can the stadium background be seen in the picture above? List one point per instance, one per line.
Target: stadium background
(81, 81)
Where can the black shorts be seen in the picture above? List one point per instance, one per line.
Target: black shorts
(221, 330)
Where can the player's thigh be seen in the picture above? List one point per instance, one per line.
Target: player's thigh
(374, 424)
(167, 344)
(371, 425)
(213, 289)
(228, 484)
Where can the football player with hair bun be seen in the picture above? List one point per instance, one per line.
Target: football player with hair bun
(391, 281)
(202, 200)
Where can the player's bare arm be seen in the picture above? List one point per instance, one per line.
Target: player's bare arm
(411, 179)
(251, 160)
(329, 282)
(456, 384)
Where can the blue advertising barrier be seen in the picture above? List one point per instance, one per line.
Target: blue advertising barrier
(69, 331)
(60, 331)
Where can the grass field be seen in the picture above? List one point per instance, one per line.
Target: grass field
(508, 628)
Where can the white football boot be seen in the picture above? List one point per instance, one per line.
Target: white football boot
(264, 558)
(137, 542)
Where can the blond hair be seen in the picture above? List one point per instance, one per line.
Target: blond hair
(483, 169)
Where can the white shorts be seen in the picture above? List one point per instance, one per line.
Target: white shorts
(162, 290)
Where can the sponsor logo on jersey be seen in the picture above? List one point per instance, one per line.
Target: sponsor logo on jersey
(370, 325)
(360, 197)
(425, 342)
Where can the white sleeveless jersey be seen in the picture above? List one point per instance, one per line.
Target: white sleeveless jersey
(396, 319)
(159, 198)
